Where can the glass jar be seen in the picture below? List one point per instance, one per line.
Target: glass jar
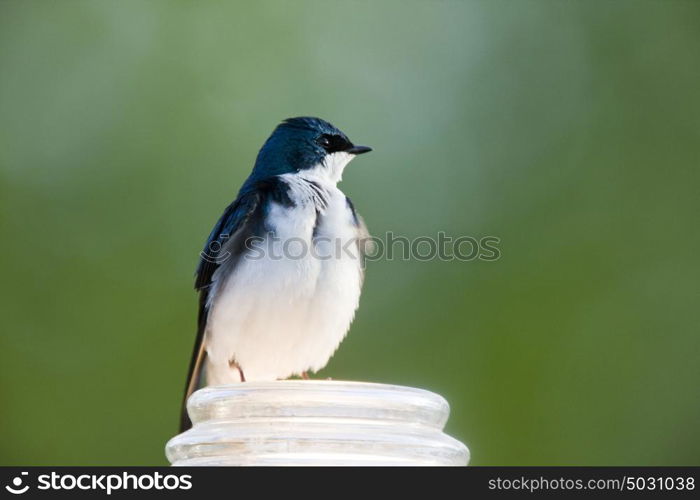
(316, 422)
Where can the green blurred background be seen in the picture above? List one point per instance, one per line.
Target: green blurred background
(570, 130)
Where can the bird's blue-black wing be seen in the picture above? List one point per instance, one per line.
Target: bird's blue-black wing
(239, 220)
(234, 219)
(242, 219)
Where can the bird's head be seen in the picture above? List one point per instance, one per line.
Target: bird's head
(308, 146)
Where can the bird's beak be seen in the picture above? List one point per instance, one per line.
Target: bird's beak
(358, 150)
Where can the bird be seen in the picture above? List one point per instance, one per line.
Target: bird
(280, 275)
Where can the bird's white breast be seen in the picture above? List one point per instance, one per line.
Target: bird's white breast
(285, 312)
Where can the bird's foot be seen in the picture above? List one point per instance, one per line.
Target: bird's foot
(235, 365)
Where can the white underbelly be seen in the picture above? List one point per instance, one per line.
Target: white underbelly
(286, 311)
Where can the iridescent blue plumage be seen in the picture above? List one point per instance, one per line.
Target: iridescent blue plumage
(293, 146)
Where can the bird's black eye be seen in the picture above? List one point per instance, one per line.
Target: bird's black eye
(333, 143)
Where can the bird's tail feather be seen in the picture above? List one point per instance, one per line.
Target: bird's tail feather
(194, 380)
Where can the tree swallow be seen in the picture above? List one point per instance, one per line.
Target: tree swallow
(280, 276)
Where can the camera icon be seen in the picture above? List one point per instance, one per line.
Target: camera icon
(17, 483)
